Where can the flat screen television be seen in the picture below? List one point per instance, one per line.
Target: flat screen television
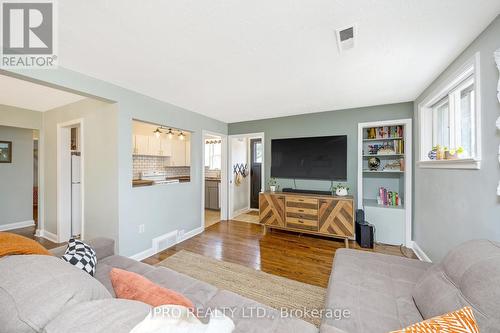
(323, 157)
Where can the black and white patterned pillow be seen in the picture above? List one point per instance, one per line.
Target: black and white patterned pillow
(81, 255)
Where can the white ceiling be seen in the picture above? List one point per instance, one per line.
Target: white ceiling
(237, 60)
(14, 92)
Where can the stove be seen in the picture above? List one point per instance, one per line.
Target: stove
(158, 177)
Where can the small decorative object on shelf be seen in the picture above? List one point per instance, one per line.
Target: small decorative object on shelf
(273, 184)
(388, 198)
(340, 190)
(386, 150)
(372, 133)
(392, 166)
(373, 163)
(432, 154)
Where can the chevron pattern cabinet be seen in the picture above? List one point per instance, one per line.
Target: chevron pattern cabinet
(323, 215)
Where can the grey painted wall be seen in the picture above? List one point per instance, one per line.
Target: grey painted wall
(100, 136)
(161, 209)
(16, 178)
(452, 206)
(342, 122)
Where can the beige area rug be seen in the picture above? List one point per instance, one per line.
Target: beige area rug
(271, 290)
(250, 217)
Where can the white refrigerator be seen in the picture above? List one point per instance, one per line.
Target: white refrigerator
(76, 197)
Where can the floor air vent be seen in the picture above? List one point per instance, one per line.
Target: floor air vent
(165, 241)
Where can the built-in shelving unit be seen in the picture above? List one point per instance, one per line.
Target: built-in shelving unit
(389, 209)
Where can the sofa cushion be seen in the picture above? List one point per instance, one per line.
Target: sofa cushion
(197, 291)
(11, 244)
(35, 289)
(81, 255)
(252, 317)
(105, 265)
(102, 316)
(375, 289)
(467, 276)
(130, 285)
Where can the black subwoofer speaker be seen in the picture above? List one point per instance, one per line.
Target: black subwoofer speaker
(364, 234)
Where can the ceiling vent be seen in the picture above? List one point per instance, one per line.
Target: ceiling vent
(345, 37)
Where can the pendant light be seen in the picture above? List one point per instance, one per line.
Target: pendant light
(170, 134)
(181, 136)
(157, 133)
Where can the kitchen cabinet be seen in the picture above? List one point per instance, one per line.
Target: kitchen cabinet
(141, 145)
(212, 194)
(178, 153)
(166, 147)
(154, 146)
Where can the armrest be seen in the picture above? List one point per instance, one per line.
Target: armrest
(103, 247)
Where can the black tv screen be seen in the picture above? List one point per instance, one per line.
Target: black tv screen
(323, 157)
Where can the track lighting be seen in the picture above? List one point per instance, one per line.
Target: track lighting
(157, 133)
(181, 136)
(170, 134)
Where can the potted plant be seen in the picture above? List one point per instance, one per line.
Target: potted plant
(273, 184)
(440, 152)
(453, 154)
(340, 190)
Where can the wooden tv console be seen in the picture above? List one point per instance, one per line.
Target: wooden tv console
(324, 215)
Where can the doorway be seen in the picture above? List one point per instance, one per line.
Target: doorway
(70, 180)
(246, 181)
(214, 178)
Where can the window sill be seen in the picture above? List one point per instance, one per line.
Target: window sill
(466, 163)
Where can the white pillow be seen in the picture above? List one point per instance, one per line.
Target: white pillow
(178, 319)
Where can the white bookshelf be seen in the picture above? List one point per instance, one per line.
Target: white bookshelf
(393, 224)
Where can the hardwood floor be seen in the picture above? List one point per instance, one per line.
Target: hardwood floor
(303, 258)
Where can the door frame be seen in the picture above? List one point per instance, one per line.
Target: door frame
(250, 159)
(64, 178)
(247, 136)
(223, 176)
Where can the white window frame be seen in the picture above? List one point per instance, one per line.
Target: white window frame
(211, 155)
(470, 70)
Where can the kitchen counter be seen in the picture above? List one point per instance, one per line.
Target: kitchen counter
(140, 183)
(212, 179)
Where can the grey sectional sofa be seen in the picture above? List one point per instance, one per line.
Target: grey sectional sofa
(380, 293)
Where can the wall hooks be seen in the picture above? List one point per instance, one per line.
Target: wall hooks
(240, 169)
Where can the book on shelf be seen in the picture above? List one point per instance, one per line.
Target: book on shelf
(388, 198)
(386, 132)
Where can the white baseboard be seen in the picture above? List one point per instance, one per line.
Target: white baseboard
(17, 225)
(151, 251)
(419, 252)
(47, 235)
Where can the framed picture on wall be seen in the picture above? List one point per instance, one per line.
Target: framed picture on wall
(5, 152)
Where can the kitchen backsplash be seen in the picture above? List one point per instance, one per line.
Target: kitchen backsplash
(157, 163)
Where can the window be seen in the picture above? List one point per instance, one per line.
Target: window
(450, 122)
(213, 154)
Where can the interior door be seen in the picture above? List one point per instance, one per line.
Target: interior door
(255, 171)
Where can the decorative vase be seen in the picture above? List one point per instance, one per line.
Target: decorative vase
(440, 154)
(341, 192)
(373, 163)
(272, 188)
(450, 156)
(432, 154)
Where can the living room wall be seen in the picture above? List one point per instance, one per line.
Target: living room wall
(162, 209)
(452, 206)
(16, 178)
(101, 169)
(341, 122)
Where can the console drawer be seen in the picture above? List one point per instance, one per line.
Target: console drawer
(298, 201)
(302, 210)
(299, 223)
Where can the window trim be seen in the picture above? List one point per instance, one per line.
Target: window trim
(471, 68)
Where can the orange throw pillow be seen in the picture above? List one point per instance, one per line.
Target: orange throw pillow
(460, 321)
(133, 286)
(12, 244)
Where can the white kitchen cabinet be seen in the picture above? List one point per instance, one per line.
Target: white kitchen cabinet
(166, 147)
(154, 146)
(141, 145)
(178, 152)
(188, 152)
